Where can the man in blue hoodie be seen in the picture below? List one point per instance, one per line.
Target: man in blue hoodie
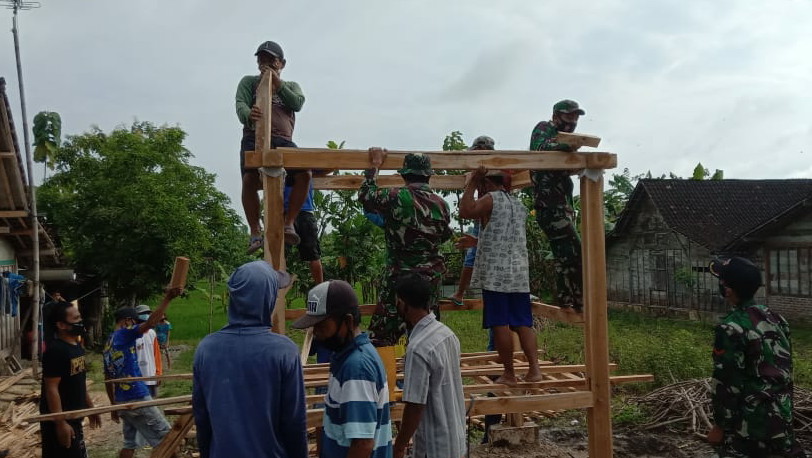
(244, 371)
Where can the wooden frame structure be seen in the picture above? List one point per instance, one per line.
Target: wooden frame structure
(597, 398)
(584, 386)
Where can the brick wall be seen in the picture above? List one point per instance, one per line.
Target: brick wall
(791, 307)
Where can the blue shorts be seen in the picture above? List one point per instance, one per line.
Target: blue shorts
(148, 421)
(506, 309)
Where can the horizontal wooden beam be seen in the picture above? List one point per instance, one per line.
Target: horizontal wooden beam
(321, 158)
(444, 182)
(558, 314)
(7, 154)
(71, 414)
(369, 309)
(13, 214)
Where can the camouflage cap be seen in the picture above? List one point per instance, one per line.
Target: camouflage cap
(482, 142)
(568, 106)
(416, 164)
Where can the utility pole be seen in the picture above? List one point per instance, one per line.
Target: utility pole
(15, 6)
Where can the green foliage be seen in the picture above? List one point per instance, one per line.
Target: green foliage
(126, 203)
(454, 142)
(47, 130)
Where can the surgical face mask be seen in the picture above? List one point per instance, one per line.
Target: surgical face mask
(337, 341)
(76, 329)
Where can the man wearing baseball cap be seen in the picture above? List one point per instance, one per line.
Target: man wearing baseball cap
(287, 100)
(751, 387)
(553, 205)
(121, 361)
(416, 223)
(245, 371)
(356, 413)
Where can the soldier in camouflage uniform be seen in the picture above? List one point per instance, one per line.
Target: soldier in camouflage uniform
(752, 371)
(553, 204)
(416, 222)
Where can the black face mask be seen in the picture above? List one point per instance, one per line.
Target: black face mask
(336, 342)
(76, 329)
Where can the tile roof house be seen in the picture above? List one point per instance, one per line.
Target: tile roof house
(658, 252)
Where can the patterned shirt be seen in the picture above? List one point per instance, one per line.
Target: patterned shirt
(356, 405)
(432, 378)
(121, 360)
(501, 261)
(752, 377)
(416, 223)
(543, 138)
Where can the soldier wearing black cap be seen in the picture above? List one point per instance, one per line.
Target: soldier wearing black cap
(287, 100)
(751, 388)
(553, 205)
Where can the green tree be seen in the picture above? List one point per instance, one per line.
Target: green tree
(47, 130)
(126, 203)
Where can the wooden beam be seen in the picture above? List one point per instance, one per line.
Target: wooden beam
(369, 309)
(13, 214)
(5, 230)
(596, 335)
(71, 414)
(7, 154)
(443, 182)
(578, 140)
(174, 438)
(322, 158)
(557, 313)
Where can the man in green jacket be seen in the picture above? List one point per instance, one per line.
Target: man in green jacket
(287, 100)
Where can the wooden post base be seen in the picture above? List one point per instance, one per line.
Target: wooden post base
(501, 435)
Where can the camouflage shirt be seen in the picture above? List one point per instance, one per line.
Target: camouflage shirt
(416, 222)
(543, 138)
(752, 380)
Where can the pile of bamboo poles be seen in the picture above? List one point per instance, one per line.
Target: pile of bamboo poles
(19, 399)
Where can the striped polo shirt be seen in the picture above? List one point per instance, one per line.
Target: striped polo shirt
(357, 401)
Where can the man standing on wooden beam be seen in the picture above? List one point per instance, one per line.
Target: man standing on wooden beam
(416, 223)
(553, 204)
(287, 100)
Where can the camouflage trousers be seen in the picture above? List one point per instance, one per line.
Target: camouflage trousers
(386, 327)
(736, 446)
(556, 218)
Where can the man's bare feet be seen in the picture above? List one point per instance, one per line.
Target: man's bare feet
(533, 377)
(507, 379)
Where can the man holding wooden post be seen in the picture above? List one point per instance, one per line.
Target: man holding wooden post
(287, 100)
(121, 361)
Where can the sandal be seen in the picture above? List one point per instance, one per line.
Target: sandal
(455, 301)
(255, 244)
(291, 237)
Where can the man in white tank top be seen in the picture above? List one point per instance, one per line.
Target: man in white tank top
(501, 269)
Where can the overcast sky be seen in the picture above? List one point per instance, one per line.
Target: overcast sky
(665, 83)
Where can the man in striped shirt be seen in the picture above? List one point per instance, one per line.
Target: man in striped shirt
(356, 412)
(432, 388)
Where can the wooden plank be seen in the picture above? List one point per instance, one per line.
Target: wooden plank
(263, 128)
(69, 415)
(346, 159)
(174, 438)
(596, 339)
(441, 182)
(7, 155)
(13, 214)
(369, 309)
(5, 230)
(308, 342)
(578, 140)
(557, 313)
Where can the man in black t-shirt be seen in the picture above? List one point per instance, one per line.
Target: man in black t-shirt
(63, 384)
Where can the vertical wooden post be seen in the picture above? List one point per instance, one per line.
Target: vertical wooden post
(273, 181)
(596, 327)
